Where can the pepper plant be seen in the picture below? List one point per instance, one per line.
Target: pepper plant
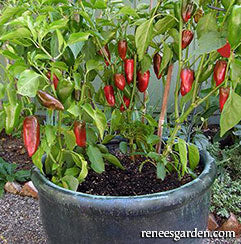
(57, 49)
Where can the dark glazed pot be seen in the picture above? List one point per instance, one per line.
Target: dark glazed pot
(75, 218)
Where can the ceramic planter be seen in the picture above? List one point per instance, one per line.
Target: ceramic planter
(75, 218)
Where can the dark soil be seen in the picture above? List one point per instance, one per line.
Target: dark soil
(130, 182)
(12, 150)
(213, 131)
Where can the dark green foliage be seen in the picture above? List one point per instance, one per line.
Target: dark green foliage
(226, 191)
(8, 173)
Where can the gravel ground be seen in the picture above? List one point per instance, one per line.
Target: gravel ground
(20, 222)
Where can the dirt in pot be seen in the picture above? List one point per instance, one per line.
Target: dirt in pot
(130, 182)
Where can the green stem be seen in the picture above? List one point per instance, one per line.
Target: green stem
(59, 128)
(197, 78)
(180, 64)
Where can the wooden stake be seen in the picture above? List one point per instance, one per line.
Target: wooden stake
(164, 107)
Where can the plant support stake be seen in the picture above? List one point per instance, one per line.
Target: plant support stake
(164, 107)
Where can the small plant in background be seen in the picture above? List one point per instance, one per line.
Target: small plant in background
(8, 173)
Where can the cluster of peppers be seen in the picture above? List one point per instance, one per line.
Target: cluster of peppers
(219, 71)
(120, 80)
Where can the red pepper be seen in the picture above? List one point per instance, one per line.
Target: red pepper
(187, 78)
(157, 60)
(187, 12)
(219, 72)
(55, 79)
(120, 81)
(187, 37)
(223, 96)
(80, 133)
(122, 49)
(143, 80)
(225, 51)
(31, 134)
(127, 103)
(104, 51)
(109, 95)
(129, 70)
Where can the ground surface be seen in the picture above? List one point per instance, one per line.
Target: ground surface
(19, 221)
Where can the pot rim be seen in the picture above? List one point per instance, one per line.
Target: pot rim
(192, 189)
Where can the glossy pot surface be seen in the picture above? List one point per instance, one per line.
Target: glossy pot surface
(75, 218)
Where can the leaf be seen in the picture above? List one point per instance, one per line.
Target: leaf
(99, 4)
(74, 110)
(22, 175)
(70, 182)
(182, 148)
(143, 37)
(128, 11)
(231, 114)
(96, 159)
(69, 139)
(91, 136)
(50, 132)
(123, 147)
(146, 63)
(74, 171)
(78, 37)
(115, 120)
(93, 65)
(76, 48)
(99, 118)
(107, 139)
(236, 70)
(206, 24)
(153, 139)
(16, 34)
(58, 24)
(10, 12)
(28, 83)
(161, 171)
(37, 158)
(164, 24)
(214, 40)
(113, 160)
(193, 156)
(167, 57)
(84, 169)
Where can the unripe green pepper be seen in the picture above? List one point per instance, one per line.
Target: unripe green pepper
(206, 73)
(234, 26)
(12, 112)
(64, 89)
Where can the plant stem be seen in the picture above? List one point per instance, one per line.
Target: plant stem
(164, 107)
(197, 78)
(180, 63)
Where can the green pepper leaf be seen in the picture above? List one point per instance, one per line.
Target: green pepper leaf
(143, 37)
(96, 159)
(231, 114)
(182, 148)
(28, 83)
